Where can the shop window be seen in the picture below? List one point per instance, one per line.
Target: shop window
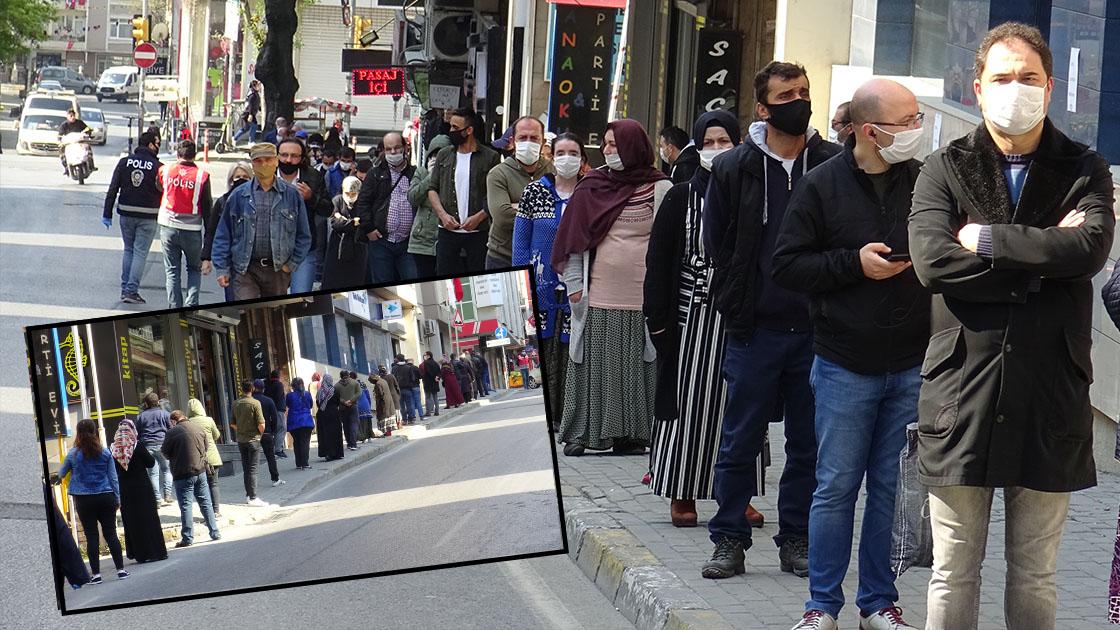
(149, 357)
(357, 345)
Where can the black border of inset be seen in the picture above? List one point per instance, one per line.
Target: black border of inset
(59, 580)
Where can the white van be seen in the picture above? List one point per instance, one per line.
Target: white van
(120, 83)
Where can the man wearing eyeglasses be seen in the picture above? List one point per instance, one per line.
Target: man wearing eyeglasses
(843, 242)
(384, 208)
(841, 123)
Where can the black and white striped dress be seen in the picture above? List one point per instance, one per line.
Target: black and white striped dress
(685, 449)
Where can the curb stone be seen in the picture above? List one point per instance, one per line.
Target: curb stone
(644, 590)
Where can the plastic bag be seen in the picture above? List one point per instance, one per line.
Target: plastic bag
(911, 534)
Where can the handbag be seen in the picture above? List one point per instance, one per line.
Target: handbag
(911, 533)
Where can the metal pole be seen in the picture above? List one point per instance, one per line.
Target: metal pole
(143, 72)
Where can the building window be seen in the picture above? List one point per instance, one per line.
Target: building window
(149, 357)
(120, 28)
(931, 28)
(357, 345)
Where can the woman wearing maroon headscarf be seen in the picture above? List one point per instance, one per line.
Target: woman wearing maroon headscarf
(600, 254)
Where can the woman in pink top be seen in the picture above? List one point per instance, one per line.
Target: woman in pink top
(600, 254)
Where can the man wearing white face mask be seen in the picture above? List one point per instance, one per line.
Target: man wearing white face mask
(1005, 394)
(843, 242)
(389, 213)
(506, 182)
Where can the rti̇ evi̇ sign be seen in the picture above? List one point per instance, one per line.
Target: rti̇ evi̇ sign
(582, 58)
(377, 81)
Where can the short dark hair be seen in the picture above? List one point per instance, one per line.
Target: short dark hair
(294, 140)
(364, 165)
(781, 69)
(71, 111)
(675, 136)
(330, 150)
(147, 138)
(469, 114)
(353, 374)
(347, 153)
(274, 374)
(846, 108)
(186, 150)
(246, 386)
(1025, 33)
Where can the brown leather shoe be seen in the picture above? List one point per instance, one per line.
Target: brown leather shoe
(683, 512)
(754, 517)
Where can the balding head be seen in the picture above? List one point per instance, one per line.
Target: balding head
(881, 105)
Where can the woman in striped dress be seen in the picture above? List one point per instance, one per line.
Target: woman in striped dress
(600, 253)
(688, 333)
(538, 217)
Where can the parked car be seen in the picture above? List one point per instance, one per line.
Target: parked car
(96, 120)
(120, 83)
(67, 79)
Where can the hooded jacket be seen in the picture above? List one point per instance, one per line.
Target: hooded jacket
(197, 416)
(741, 217)
(425, 227)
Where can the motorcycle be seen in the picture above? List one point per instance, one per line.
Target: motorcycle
(78, 156)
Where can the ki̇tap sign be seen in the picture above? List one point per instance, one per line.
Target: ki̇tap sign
(377, 81)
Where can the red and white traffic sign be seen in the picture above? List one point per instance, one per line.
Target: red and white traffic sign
(144, 55)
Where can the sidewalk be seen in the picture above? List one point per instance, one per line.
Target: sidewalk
(620, 535)
(235, 512)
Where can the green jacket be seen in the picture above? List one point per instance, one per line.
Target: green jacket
(348, 390)
(442, 181)
(425, 227)
(504, 186)
(248, 415)
(197, 415)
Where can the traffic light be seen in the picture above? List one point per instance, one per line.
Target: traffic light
(364, 35)
(140, 29)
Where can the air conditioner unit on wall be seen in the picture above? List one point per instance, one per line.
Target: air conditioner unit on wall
(446, 34)
(430, 327)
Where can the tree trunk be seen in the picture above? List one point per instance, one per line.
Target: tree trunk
(275, 69)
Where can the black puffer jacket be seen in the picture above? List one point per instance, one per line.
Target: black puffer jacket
(1111, 295)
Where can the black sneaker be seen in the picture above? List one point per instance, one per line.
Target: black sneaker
(794, 555)
(727, 560)
(122, 574)
(182, 543)
(131, 298)
(96, 579)
(139, 300)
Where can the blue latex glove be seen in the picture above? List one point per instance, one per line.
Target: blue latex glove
(108, 223)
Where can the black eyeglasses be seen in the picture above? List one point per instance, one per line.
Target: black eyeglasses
(916, 121)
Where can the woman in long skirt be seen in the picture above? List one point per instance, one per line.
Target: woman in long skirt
(143, 535)
(688, 333)
(452, 392)
(610, 384)
(329, 421)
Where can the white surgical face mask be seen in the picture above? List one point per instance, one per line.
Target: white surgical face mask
(614, 162)
(345, 165)
(664, 155)
(567, 166)
(528, 153)
(1014, 108)
(394, 159)
(707, 155)
(905, 147)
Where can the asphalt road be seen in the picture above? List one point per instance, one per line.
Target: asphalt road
(58, 262)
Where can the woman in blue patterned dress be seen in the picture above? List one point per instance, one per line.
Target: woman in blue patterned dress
(534, 230)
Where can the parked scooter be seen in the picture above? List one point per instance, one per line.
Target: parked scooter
(78, 155)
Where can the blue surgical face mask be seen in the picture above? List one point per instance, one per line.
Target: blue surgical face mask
(614, 161)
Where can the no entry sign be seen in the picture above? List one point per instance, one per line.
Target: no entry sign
(144, 55)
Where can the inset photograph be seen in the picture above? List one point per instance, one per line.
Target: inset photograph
(226, 449)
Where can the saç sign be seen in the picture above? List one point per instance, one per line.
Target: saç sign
(379, 81)
(583, 51)
(717, 70)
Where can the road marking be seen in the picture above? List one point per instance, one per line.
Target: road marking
(550, 608)
(16, 400)
(75, 241)
(418, 432)
(53, 312)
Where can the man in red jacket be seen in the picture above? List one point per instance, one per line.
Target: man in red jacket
(182, 214)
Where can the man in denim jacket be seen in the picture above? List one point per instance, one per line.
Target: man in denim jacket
(263, 234)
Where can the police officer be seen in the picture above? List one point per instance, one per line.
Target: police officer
(136, 193)
(183, 214)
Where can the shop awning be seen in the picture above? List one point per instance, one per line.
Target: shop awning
(325, 104)
(484, 327)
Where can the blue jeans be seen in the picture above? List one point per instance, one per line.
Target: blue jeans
(431, 403)
(178, 244)
(186, 491)
(390, 262)
(250, 129)
(525, 378)
(138, 235)
(486, 383)
(861, 428)
(497, 263)
(160, 474)
(304, 276)
(767, 379)
(410, 403)
(281, 431)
